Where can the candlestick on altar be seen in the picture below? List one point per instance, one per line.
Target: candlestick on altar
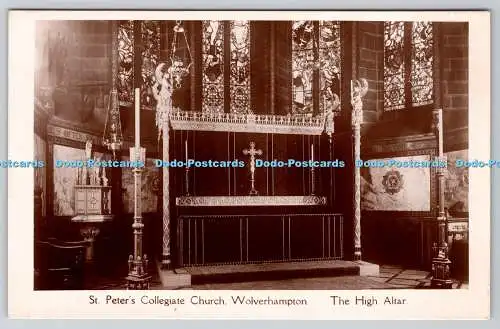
(313, 176)
(138, 277)
(186, 171)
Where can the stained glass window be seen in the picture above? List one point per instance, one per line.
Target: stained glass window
(126, 61)
(150, 32)
(303, 59)
(422, 63)
(213, 66)
(394, 70)
(313, 45)
(408, 64)
(240, 67)
(133, 35)
(330, 63)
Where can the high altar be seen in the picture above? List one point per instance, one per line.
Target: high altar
(238, 215)
(246, 215)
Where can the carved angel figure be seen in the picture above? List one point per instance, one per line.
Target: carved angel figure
(162, 92)
(162, 89)
(330, 113)
(359, 88)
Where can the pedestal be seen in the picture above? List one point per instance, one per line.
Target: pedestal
(441, 273)
(93, 209)
(90, 229)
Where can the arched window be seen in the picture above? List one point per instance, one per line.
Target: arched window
(226, 61)
(408, 65)
(316, 65)
(136, 37)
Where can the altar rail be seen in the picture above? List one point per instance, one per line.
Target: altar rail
(244, 239)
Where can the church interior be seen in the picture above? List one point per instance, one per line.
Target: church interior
(332, 91)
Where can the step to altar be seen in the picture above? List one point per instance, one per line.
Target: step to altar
(197, 275)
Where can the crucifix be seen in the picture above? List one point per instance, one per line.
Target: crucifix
(252, 152)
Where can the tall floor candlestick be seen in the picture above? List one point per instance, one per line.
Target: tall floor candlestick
(138, 277)
(440, 262)
(137, 117)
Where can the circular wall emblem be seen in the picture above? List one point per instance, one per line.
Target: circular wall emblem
(393, 182)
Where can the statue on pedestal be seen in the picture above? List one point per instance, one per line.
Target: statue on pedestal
(104, 178)
(96, 179)
(88, 156)
(88, 150)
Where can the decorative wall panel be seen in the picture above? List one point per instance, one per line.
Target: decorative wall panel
(150, 181)
(396, 189)
(65, 180)
(456, 193)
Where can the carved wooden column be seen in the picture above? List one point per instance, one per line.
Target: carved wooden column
(358, 90)
(166, 259)
(440, 261)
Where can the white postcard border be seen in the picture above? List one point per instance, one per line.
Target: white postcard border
(469, 303)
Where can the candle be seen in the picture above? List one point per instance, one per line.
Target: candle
(312, 152)
(137, 117)
(186, 147)
(440, 133)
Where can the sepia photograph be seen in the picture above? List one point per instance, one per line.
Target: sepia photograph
(274, 90)
(295, 154)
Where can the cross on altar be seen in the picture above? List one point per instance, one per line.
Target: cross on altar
(252, 152)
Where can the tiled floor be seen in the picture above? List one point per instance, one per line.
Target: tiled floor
(390, 277)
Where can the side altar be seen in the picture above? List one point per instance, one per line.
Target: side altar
(92, 203)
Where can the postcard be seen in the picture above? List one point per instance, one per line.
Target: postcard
(249, 165)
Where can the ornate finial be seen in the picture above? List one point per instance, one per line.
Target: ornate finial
(437, 120)
(330, 116)
(359, 88)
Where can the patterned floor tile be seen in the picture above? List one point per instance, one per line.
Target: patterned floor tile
(378, 278)
(413, 274)
(405, 282)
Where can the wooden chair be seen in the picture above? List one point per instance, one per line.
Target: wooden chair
(59, 265)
